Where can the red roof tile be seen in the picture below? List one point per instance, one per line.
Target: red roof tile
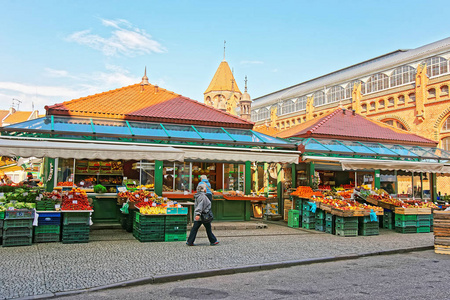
(147, 103)
(343, 124)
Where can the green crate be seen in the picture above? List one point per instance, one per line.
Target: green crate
(388, 213)
(77, 229)
(424, 217)
(320, 228)
(17, 223)
(320, 222)
(346, 232)
(308, 225)
(367, 220)
(329, 224)
(423, 229)
(373, 225)
(175, 237)
(388, 225)
(330, 217)
(409, 223)
(149, 230)
(70, 218)
(431, 228)
(1, 224)
(293, 218)
(46, 237)
(406, 229)
(308, 219)
(405, 217)
(47, 229)
(13, 241)
(329, 230)
(20, 214)
(179, 219)
(180, 227)
(367, 232)
(2, 215)
(18, 231)
(423, 223)
(344, 226)
(346, 219)
(320, 214)
(307, 213)
(75, 237)
(149, 238)
(149, 219)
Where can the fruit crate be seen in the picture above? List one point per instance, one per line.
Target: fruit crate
(307, 213)
(424, 229)
(13, 241)
(346, 219)
(176, 219)
(308, 219)
(174, 237)
(75, 239)
(308, 225)
(367, 220)
(46, 237)
(18, 223)
(365, 226)
(369, 231)
(148, 229)
(320, 227)
(18, 231)
(19, 214)
(150, 219)
(406, 229)
(345, 226)
(346, 232)
(330, 217)
(401, 217)
(75, 229)
(293, 218)
(70, 218)
(320, 214)
(159, 237)
(409, 223)
(424, 217)
(180, 227)
(329, 230)
(320, 222)
(49, 219)
(423, 223)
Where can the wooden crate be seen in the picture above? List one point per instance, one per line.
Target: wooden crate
(288, 204)
(406, 211)
(372, 200)
(442, 249)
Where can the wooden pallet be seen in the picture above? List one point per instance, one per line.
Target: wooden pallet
(442, 241)
(412, 211)
(442, 249)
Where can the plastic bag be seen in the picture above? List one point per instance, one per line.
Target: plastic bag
(313, 206)
(373, 216)
(124, 208)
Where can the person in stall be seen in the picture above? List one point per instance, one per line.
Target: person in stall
(30, 180)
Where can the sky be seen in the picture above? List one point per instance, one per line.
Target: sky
(56, 51)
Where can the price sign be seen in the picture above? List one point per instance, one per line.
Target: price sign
(81, 182)
(349, 204)
(152, 194)
(165, 198)
(25, 194)
(153, 204)
(77, 193)
(38, 199)
(145, 199)
(57, 206)
(75, 201)
(416, 204)
(54, 197)
(10, 208)
(70, 196)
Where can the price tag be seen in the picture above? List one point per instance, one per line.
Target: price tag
(153, 204)
(54, 197)
(416, 204)
(314, 196)
(152, 194)
(70, 196)
(336, 205)
(349, 204)
(426, 201)
(446, 203)
(81, 182)
(134, 182)
(165, 198)
(145, 199)
(38, 199)
(57, 206)
(77, 193)
(25, 194)
(75, 201)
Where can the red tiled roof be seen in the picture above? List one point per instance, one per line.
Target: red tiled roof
(147, 103)
(343, 124)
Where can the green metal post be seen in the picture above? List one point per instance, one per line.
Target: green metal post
(158, 177)
(49, 173)
(279, 187)
(433, 187)
(377, 179)
(294, 176)
(248, 178)
(310, 171)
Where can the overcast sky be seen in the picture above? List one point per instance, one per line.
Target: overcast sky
(55, 51)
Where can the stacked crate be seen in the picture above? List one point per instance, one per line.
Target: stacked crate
(127, 220)
(75, 227)
(424, 223)
(368, 227)
(175, 228)
(1, 230)
(308, 217)
(346, 226)
(293, 218)
(18, 228)
(149, 228)
(405, 223)
(49, 227)
(442, 232)
(330, 223)
(45, 205)
(388, 219)
(320, 220)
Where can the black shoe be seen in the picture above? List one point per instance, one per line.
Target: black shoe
(190, 244)
(215, 243)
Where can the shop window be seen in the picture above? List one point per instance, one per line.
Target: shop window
(436, 66)
(404, 184)
(388, 181)
(401, 100)
(319, 98)
(377, 82)
(233, 177)
(412, 97)
(431, 93)
(444, 90)
(257, 178)
(212, 172)
(391, 101)
(65, 172)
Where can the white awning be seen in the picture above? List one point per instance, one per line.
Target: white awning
(395, 165)
(87, 150)
(240, 156)
(446, 170)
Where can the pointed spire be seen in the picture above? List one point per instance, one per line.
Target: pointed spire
(245, 84)
(145, 78)
(224, 43)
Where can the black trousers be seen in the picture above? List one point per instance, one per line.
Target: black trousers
(194, 230)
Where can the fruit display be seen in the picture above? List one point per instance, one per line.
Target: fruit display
(306, 192)
(146, 187)
(76, 199)
(65, 183)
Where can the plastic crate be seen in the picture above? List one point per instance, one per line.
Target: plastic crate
(346, 219)
(406, 229)
(149, 219)
(76, 218)
(149, 229)
(17, 223)
(366, 226)
(179, 227)
(182, 210)
(55, 229)
(1, 223)
(320, 228)
(329, 224)
(2, 215)
(423, 229)
(345, 226)
(75, 229)
(46, 237)
(388, 225)
(13, 241)
(19, 214)
(307, 213)
(329, 230)
(423, 223)
(330, 217)
(347, 232)
(431, 228)
(49, 220)
(176, 222)
(18, 231)
(367, 220)
(409, 223)
(75, 240)
(175, 237)
(367, 232)
(320, 214)
(178, 219)
(308, 225)
(160, 237)
(293, 218)
(405, 217)
(424, 217)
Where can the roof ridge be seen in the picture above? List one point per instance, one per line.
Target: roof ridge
(323, 121)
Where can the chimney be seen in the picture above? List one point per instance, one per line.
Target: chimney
(354, 112)
(156, 89)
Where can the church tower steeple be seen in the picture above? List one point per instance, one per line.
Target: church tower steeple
(246, 104)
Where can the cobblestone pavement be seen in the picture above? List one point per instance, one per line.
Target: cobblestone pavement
(114, 256)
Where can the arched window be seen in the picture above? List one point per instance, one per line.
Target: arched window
(444, 90)
(391, 101)
(349, 88)
(287, 107)
(431, 93)
(381, 104)
(436, 66)
(395, 123)
(403, 75)
(401, 99)
(372, 105)
(335, 94)
(446, 125)
(412, 97)
(446, 143)
(254, 115)
(301, 103)
(377, 82)
(263, 113)
(319, 98)
(364, 107)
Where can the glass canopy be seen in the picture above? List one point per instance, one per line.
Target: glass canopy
(312, 146)
(64, 127)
